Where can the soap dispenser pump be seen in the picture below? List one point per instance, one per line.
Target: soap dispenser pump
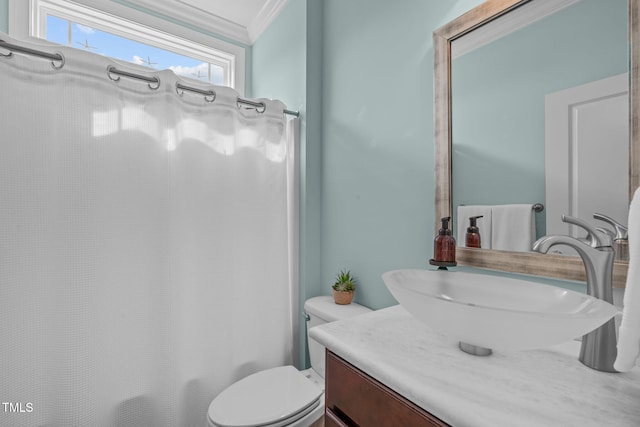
(444, 246)
(473, 233)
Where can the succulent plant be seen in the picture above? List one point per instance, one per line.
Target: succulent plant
(344, 282)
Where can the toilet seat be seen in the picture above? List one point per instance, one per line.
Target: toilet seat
(275, 397)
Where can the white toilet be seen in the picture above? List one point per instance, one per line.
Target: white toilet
(283, 396)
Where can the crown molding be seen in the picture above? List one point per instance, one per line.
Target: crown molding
(195, 16)
(506, 24)
(265, 17)
(189, 14)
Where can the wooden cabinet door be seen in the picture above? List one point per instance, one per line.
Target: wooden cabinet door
(353, 398)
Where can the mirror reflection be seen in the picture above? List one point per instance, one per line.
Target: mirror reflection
(539, 104)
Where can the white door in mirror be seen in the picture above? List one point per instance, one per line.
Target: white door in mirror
(586, 154)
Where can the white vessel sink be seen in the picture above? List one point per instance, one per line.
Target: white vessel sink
(496, 312)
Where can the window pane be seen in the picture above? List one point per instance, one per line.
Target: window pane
(104, 43)
(217, 75)
(57, 30)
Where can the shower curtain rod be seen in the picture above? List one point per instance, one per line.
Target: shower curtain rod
(150, 80)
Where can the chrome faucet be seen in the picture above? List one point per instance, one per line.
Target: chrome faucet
(598, 350)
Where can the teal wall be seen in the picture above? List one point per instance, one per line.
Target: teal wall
(361, 72)
(499, 93)
(280, 56)
(367, 187)
(378, 138)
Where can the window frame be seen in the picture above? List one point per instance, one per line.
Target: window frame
(27, 19)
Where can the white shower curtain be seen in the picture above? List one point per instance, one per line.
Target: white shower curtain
(147, 244)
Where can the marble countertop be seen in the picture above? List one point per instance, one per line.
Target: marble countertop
(547, 387)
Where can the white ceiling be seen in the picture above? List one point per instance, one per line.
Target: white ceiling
(240, 20)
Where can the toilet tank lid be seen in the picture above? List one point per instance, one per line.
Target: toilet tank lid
(326, 309)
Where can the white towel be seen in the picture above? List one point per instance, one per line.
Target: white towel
(629, 333)
(484, 224)
(513, 227)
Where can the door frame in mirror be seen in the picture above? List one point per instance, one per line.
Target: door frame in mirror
(558, 266)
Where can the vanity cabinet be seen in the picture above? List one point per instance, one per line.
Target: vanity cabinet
(353, 398)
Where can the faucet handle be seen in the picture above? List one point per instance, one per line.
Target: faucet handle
(610, 233)
(622, 232)
(595, 237)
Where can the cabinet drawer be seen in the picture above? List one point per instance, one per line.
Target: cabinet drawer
(353, 398)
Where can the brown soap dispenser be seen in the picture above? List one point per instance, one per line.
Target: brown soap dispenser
(444, 245)
(473, 233)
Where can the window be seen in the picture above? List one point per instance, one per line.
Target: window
(68, 32)
(136, 38)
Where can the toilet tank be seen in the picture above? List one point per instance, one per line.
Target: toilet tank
(321, 310)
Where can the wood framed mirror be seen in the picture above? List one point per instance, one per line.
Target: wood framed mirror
(549, 265)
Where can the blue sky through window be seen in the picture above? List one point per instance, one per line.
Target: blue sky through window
(103, 43)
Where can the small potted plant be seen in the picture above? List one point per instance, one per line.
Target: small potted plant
(343, 288)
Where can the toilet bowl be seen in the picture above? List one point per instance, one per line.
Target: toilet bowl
(282, 396)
